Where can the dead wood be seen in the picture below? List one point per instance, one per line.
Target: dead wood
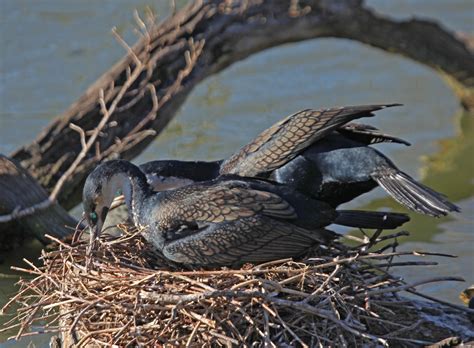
(19, 191)
(202, 39)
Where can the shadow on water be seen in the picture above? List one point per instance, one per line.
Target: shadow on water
(449, 171)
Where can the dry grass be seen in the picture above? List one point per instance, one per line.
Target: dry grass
(131, 296)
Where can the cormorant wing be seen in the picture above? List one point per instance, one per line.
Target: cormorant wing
(250, 239)
(283, 141)
(228, 221)
(219, 201)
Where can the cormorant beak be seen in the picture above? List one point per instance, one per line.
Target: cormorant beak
(94, 236)
(94, 230)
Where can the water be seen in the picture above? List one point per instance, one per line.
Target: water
(52, 50)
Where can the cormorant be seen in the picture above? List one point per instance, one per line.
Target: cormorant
(317, 153)
(223, 221)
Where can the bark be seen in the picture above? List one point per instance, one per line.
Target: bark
(229, 32)
(19, 190)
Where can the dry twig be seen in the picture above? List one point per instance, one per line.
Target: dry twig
(139, 298)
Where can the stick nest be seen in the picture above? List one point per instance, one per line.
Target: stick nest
(130, 295)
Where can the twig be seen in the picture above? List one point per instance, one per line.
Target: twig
(81, 132)
(173, 7)
(139, 305)
(19, 213)
(193, 333)
(323, 285)
(142, 27)
(131, 52)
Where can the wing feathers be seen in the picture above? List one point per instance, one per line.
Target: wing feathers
(253, 239)
(283, 141)
(221, 201)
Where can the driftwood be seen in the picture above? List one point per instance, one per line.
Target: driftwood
(53, 218)
(200, 40)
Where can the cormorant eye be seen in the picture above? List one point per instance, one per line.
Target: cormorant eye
(93, 217)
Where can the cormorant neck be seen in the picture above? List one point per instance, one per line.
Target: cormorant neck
(125, 178)
(192, 170)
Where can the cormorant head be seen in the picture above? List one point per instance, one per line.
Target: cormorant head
(104, 183)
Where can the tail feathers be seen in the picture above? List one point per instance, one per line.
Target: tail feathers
(412, 194)
(370, 219)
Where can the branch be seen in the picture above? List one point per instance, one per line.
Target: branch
(18, 189)
(19, 213)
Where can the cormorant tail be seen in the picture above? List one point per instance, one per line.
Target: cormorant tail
(412, 194)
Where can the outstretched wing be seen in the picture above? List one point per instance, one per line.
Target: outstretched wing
(283, 141)
(368, 134)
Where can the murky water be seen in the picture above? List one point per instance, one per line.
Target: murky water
(52, 50)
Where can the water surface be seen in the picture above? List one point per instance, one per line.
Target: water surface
(52, 50)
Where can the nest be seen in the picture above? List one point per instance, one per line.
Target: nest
(130, 295)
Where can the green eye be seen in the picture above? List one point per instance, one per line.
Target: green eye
(93, 217)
